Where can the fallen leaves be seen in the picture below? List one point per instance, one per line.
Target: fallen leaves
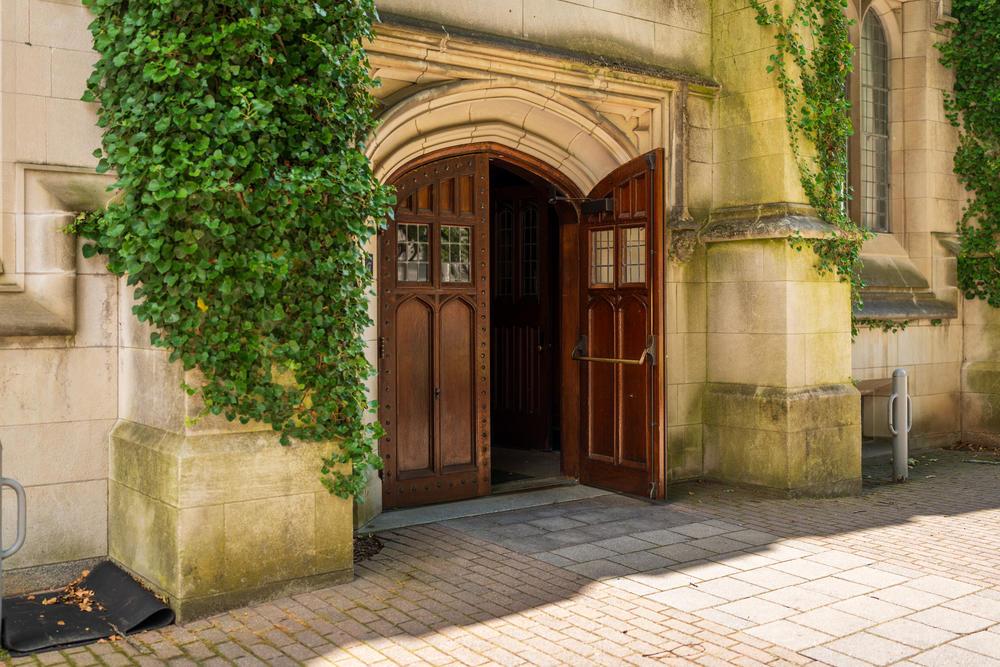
(75, 594)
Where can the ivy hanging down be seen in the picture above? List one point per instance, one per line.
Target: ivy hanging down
(973, 50)
(235, 128)
(812, 61)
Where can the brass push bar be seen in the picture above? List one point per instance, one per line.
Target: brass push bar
(580, 352)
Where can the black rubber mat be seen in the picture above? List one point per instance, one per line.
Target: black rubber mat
(118, 606)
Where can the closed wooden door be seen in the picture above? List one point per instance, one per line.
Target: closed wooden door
(620, 343)
(434, 335)
(523, 355)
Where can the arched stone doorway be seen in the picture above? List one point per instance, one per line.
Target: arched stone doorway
(483, 338)
(438, 146)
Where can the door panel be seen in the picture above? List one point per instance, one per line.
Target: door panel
(434, 335)
(620, 350)
(600, 379)
(457, 384)
(414, 417)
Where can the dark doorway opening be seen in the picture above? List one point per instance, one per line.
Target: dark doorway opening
(525, 332)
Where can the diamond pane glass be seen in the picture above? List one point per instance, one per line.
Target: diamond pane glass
(412, 253)
(602, 257)
(456, 254)
(634, 255)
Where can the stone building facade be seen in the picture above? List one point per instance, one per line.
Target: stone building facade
(756, 378)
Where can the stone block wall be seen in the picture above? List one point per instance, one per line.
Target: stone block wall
(58, 311)
(925, 206)
(675, 35)
(780, 411)
(980, 399)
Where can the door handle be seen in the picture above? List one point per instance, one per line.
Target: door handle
(579, 354)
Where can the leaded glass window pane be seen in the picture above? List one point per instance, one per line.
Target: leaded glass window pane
(874, 125)
(505, 252)
(529, 250)
(412, 253)
(456, 254)
(602, 257)
(634, 255)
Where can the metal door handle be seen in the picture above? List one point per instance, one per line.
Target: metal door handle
(579, 354)
(22, 517)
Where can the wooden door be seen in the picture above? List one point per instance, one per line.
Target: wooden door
(434, 335)
(620, 344)
(523, 356)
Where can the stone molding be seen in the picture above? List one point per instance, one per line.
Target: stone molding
(38, 293)
(546, 124)
(774, 220)
(450, 35)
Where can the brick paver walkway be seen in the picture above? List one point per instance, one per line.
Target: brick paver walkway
(901, 575)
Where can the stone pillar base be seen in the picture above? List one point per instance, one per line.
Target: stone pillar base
(218, 521)
(981, 403)
(795, 442)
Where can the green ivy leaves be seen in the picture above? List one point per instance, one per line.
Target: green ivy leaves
(817, 109)
(236, 129)
(974, 106)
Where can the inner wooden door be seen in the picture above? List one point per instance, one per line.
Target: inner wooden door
(434, 295)
(620, 346)
(523, 314)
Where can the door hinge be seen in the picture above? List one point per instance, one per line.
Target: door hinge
(381, 347)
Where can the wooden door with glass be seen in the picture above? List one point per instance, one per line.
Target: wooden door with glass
(434, 335)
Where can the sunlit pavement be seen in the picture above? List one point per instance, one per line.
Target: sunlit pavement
(904, 574)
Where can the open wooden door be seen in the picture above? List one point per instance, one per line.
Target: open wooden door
(434, 295)
(620, 344)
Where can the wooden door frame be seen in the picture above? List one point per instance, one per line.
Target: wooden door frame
(569, 286)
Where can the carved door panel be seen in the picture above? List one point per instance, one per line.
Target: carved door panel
(523, 355)
(620, 342)
(434, 335)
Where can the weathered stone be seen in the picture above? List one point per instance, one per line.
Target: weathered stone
(214, 521)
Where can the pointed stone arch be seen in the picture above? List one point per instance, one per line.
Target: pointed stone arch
(562, 132)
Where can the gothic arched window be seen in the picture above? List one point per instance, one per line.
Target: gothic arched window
(873, 194)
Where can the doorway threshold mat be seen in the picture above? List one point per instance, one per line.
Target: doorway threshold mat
(103, 603)
(478, 506)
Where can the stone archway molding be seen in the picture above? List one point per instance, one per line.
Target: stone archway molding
(562, 132)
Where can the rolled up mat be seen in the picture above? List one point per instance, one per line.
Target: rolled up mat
(118, 606)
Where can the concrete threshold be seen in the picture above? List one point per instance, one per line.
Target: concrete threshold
(393, 519)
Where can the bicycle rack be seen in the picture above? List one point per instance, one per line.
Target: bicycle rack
(900, 412)
(22, 522)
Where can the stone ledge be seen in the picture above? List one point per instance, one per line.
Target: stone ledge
(777, 220)
(38, 297)
(906, 304)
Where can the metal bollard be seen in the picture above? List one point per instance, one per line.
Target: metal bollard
(22, 522)
(900, 422)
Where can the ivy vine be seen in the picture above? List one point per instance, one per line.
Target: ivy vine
(812, 61)
(236, 129)
(974, 106)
